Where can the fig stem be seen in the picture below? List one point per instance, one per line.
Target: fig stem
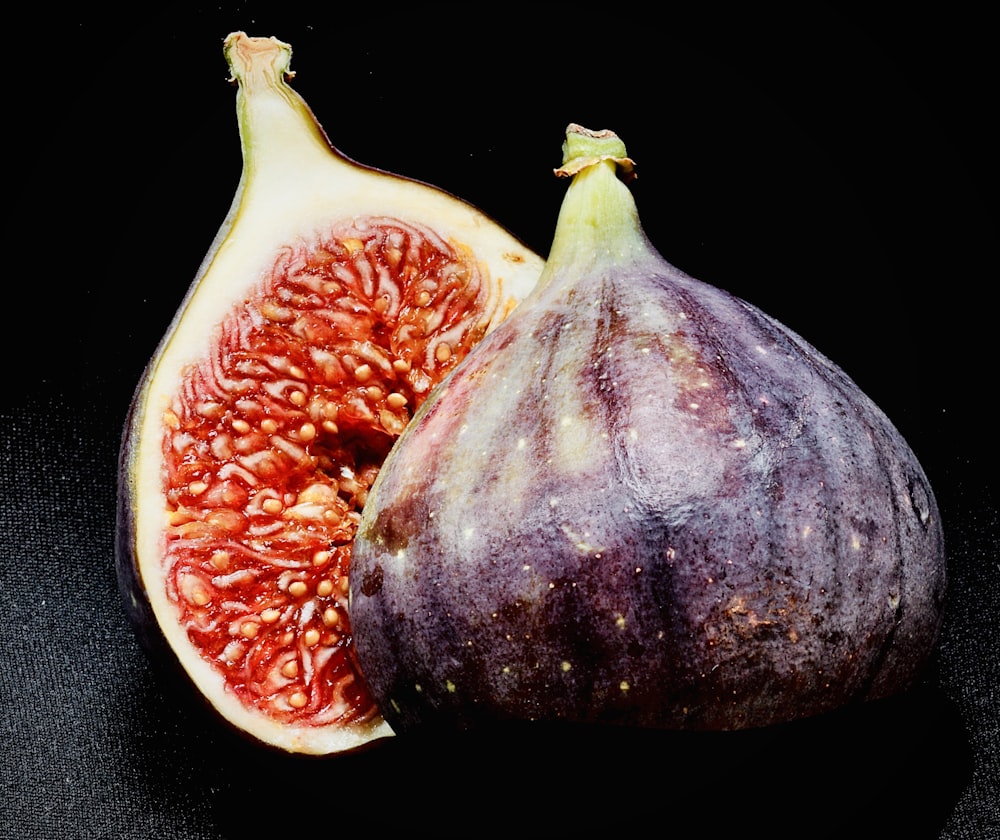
(270, 112)
(598, 221)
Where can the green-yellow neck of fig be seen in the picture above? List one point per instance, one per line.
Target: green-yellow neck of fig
(277, 129)
(598, 222)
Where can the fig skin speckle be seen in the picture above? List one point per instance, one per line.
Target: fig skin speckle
(643, 501)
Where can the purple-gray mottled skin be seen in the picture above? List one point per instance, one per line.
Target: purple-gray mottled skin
(643, 501)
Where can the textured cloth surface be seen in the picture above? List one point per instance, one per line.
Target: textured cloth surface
(796, 151)
(99, 746)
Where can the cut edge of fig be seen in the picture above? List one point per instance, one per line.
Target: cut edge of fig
(295, 193)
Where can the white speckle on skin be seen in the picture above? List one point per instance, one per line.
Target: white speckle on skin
(581, 541)
(400, 558)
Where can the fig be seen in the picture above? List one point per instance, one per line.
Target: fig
(641, 501)
(332, 300)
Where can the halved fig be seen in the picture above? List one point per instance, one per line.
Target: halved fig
(333, 299)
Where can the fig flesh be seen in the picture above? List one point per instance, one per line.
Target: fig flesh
(334, 297)
(648, 503)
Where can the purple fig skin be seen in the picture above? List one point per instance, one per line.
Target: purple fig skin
(130, 584)
(644, 501)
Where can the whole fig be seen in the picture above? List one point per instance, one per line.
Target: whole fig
(643, 501)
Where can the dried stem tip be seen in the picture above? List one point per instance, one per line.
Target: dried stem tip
(584, 148)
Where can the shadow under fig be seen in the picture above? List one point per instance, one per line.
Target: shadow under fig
(892, 768)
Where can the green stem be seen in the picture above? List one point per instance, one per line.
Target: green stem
(277, 128)
(598, 221)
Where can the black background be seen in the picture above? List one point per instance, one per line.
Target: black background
(834, 166)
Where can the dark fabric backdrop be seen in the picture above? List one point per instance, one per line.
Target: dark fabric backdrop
(834, 166)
